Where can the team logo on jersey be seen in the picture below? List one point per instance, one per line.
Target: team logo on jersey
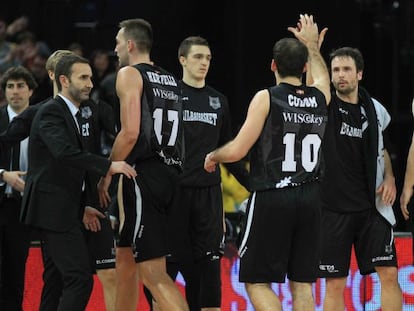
(348, 130)
(205, 117)
(341, 110)
(300, 92)
(284, 182)
(86, 112)
(214, 102)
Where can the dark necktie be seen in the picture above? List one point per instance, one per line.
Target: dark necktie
(15, 165)
(15, 154)
(78, 116)
(79, 119)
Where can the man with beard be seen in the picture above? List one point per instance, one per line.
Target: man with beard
(358, 187)
(54, 191)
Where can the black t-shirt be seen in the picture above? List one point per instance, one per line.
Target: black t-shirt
(345, 185)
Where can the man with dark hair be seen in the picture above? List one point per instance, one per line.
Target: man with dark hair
(198, 218)
(150, 138)
(284, 128)
(96, 117)
(54, 191)
(18, 85)
(359, 187)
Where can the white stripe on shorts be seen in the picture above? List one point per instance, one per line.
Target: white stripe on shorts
(248, 225)
(138, 210)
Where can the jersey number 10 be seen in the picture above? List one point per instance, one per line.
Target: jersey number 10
(309, 154)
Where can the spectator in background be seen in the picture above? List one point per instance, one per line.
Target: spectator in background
(16, 27)
(6, 48)
(76, 48)
(29, 47)
(38, 68)
(234, 193)
(101, 67)
(108, 92)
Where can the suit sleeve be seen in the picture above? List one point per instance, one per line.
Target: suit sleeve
(19, 128)
(59, 135)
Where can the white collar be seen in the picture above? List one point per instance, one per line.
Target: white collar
(73, 109)
(11, 113)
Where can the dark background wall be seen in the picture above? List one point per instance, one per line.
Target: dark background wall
(241, 35)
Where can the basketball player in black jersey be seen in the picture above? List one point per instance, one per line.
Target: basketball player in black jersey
(358, 187)
(196, 233)
(151, 139)
(284, 128)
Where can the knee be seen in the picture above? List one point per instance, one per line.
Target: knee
(335, 285)
(107, 276)
(252, 288)
(387, 275)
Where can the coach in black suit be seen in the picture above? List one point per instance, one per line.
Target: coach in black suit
(18, 84)
(53, 193)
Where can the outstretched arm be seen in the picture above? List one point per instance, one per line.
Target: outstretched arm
(307, 32)
(237, 148)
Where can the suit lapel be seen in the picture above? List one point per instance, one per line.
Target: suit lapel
(69, 119)
(4, 118)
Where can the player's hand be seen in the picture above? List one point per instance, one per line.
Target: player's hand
(306, 30)
(405, 197)
(209, 164)
(122, 167)
(103, 190)
(91, 218)
(14, 179)
(388, 191)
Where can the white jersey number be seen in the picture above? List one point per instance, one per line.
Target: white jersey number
(172, 117)
(309, 154)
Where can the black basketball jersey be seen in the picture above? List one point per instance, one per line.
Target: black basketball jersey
(287, 153)
(161, 132)
(207, 126)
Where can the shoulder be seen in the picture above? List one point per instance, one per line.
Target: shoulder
(261, 99)
(378, 105)
(128, 73)
(382, 114)
(52, 106)
(213, 91)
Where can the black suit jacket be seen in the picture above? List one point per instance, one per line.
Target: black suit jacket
(19, 128)
(4, 152)
(57, 169)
